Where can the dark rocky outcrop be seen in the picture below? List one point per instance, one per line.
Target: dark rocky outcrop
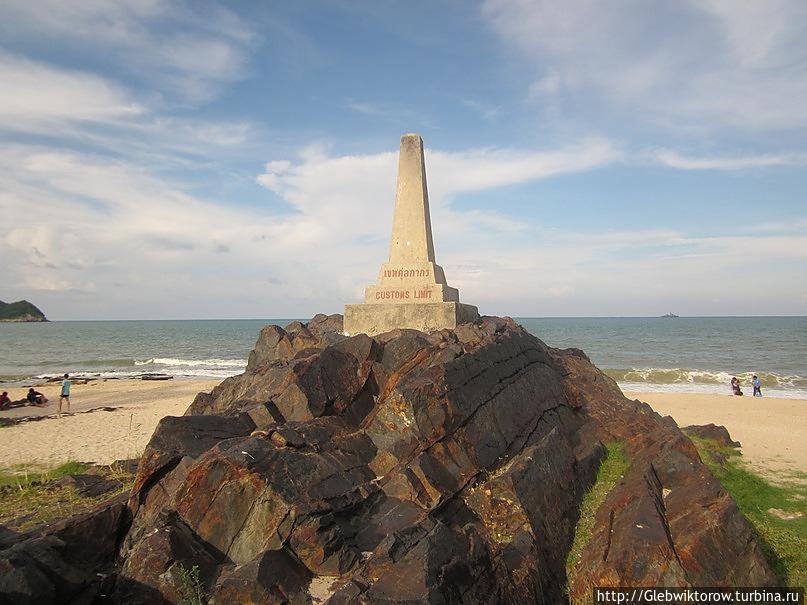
(88, 485)
(713, 432)
(20, 311)
(414, 468)
(421, 468)
(65, 562)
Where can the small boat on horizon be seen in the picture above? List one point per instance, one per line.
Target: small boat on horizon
(670, 315)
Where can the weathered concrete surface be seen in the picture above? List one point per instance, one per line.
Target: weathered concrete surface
(426, 317)
(410, 278)
(411, 226)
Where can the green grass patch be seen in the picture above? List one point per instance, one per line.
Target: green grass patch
(784, 541)
(21, 476)
(611, 470)
(28, 498)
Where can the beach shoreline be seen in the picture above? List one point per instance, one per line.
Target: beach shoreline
(101, 436)
(770, 429)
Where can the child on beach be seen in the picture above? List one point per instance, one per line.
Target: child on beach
(757, 384)
(5, 401)
(65, 396)
(735, 386)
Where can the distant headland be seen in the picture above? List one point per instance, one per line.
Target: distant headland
(21, 310)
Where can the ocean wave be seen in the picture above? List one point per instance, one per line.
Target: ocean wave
(177, 367)
(681, 376)
(111, 374)
(207, 363)
(87, 363)
(707, 389)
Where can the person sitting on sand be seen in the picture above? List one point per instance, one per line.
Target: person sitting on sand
(757, 384)
(735, 386)
(7, 404)
(36, 398)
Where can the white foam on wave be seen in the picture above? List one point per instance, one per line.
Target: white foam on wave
(188, 373)
(179, 368)
(682, 377)
(207, 363)
(706, 389)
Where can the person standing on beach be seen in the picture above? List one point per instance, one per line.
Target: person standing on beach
(65, 396)
(757, 386)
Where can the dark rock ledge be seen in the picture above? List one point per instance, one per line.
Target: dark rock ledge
(405, 468)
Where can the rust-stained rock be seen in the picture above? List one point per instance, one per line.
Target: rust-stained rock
(714, 432)
(431, 468)
(415, 468)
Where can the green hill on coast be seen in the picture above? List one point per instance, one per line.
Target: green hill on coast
(21, 310)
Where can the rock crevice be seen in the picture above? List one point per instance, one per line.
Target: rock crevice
(415, 468)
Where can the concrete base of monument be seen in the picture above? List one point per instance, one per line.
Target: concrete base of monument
(377, 318)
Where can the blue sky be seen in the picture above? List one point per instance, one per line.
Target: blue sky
(200, 160)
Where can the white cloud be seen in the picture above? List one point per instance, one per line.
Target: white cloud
(355, 194)
(91, 237)
(635, 272)
(758, 32)
(674, 159)
(36, 95)
(511, 265)
(75, 223)
(480, 169)
(78, 223)
(709, 65)
(548, 86)
(488, 112)
(391, 112)
(186, 50)
(560, 291)
(74, 107)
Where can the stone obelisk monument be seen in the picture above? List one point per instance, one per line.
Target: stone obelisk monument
(412, 291)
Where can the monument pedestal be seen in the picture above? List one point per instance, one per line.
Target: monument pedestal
(426, 317)
(412, 291)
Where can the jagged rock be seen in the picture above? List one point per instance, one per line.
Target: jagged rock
(277, 344)
(714, 432)
(88, 485)
(63, 562)
(419, 468)
(414, 468)
(297, 374)
(8, 537)
(669, 521)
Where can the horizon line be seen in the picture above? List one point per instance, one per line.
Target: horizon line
(511, 316)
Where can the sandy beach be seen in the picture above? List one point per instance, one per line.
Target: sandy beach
(99, 436)
(773, 432)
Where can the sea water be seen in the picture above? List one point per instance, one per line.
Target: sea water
(698, 354)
